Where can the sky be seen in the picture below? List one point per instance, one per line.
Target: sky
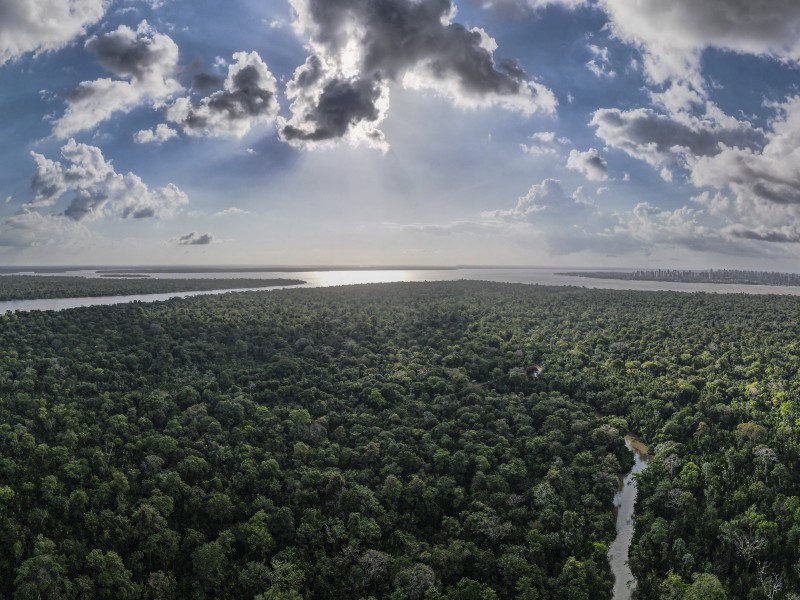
(401, 132)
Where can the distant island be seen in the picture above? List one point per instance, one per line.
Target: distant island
(733, 276)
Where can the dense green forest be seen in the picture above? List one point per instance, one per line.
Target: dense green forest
(454, 440)
(29, 287)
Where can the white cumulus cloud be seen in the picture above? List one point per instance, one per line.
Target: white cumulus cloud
(95, 189)
(145, 61)
(593, 166)
(158, 135)
(44, 25)
(673, 34)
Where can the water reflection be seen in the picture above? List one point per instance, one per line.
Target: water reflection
(331, 278)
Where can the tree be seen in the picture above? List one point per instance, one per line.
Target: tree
(706, 587)
(112, 578)
(43, 576)
(414, 582)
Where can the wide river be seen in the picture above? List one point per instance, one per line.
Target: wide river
(541, 276)
(624, 501)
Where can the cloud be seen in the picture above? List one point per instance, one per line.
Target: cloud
(680, 98)
(547, 145)
(26, 229)
(788, 234)
(44, 25)
(544, 136)
(599, 64)
(593, 166)
(326, 107)
(160, 134)
(249, 98)
(546, 204)
(195, 239)
(573, 223)
(359, 48)
(233, 210)
(456, 227)
(519, 7)
(764, 182)
(544, 201)
(144, 60)
(658, 138)
(754, 171)
(97, 189)
(539, 150)
(672, 35)
(204, 81)
(277, 24)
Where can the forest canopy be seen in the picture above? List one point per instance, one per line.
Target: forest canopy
(31, 287)
(453, 440)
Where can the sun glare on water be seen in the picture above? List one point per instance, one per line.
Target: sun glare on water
(330, 278)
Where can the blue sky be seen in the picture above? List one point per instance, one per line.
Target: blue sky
(527, 132)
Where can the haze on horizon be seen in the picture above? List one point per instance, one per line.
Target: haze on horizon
(393, 132)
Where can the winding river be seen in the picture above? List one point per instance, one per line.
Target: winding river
(624, 500)
(540, 276)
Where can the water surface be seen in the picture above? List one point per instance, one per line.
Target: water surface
(624, 500)
(540, 276)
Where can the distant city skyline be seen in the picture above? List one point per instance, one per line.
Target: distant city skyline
(563, 133)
